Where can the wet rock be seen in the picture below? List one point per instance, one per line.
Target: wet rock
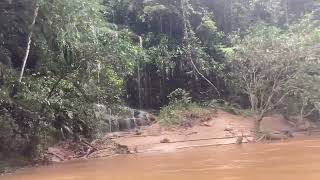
(122, 149)
(137, 133)
(276, 137)
(128, 120)
(165, 140)
(288, 134)
(108, 122)
(135, 150)
(126, 124)
(239, 140)
(206, 124)
(142, 118)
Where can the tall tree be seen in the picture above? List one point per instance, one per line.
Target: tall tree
(25, 58)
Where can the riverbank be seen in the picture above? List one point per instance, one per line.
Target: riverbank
(216, 128)
(212, 129)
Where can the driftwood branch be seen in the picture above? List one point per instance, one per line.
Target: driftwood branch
(56, 155)
(88, 144)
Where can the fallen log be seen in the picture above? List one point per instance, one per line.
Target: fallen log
(217, 138)
(56, 155)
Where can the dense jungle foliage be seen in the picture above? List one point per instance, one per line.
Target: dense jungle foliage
(258, 54)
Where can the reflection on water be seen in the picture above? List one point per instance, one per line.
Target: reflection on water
(294, 160)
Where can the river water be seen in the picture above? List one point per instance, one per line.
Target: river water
(294, 160)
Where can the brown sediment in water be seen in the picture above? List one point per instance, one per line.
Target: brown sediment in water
(294, 160)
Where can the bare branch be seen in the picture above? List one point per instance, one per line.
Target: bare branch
(206, 79)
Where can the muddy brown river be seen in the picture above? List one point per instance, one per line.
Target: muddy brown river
(294, 160)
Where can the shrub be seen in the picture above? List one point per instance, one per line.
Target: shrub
(180, 109)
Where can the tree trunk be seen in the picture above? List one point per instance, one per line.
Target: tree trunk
(257, 125)
(25, 58)
(253, 102)
(225, 17)
(185, 29)
(160, 24)
(164, 82)
(301, 118)
(170, 25)
(139, 76)
(146, 87)
(287, 12)
(231, 16)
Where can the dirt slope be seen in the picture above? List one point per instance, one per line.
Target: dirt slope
(221, 128)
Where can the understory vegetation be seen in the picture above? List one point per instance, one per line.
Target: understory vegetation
(181, 109)
(60, 59)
